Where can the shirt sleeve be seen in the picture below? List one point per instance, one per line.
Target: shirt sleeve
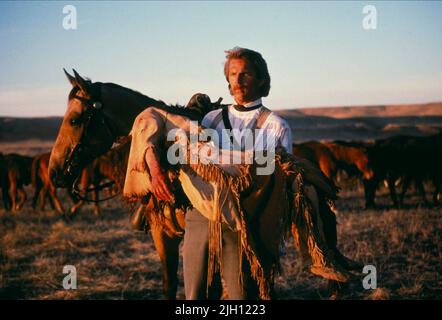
(147, 132)
(286, 138)
(282, 133)
(208, 118)
(147, 127)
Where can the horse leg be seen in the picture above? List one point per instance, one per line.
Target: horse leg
(76, 206)
(391, 180)
(84, 183)
(22, 197)
(405, 186)
(96, 196)
(437, 185)
(57, 203)
(13, 192)
(326, 170)
(7, 201)
(78, 203)
(421, 190)
(336, 288)
(35, 197)
(370, 192)
(168, 250)
(51, 202)
(42, 197)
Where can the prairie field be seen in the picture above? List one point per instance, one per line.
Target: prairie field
(114, 262)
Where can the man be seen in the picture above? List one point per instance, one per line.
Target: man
(249, 80)
(246, 72)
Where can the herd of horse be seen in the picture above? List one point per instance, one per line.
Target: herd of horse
(399, 160)
(18, 171)
(99, 114)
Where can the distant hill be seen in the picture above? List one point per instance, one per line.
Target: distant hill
(403, 110)
(363, 122)
(16, 129)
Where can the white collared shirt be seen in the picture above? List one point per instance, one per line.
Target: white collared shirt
(276, 127)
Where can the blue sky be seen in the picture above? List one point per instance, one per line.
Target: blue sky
(317, 52)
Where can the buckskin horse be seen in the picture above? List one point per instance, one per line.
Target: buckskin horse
(318, 153)
(352, 158)
(18, 175)
(97, 114)
(43, 186)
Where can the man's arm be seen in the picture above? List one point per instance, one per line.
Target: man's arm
(160, 186)
(148, 134)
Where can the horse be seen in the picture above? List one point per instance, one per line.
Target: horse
(408, 158)
(427, 166)
(112, 165)
(319, 154)
(352, 158)
(18, 175)
(97, 114)
(45, 189)
(43, 186)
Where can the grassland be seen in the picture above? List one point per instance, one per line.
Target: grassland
(115, 262)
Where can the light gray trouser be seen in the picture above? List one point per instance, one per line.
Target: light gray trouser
(195, 255)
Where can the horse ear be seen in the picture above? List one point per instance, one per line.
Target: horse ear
(84, 86)
(70, 78)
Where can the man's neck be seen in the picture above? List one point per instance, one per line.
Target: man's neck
(250, 103)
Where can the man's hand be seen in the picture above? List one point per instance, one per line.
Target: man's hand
(160, 187)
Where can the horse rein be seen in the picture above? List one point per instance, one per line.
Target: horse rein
(94, 109)
(78, 193)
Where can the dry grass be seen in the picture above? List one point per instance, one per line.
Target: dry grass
(114, 262)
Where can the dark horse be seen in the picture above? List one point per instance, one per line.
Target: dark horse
(4, 183)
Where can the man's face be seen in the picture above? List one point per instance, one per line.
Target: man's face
(243, 80)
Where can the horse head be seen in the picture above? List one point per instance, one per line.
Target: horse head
(97, 114)
(85, 133)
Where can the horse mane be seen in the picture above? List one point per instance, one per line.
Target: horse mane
(175, 109)
(148, 101)
(113, 164)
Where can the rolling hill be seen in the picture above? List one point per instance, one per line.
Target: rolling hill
(330, 123)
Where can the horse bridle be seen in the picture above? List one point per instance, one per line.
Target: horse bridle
(84, 152)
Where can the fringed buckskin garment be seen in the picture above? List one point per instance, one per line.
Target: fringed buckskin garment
(255, 205)
(262, 207)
